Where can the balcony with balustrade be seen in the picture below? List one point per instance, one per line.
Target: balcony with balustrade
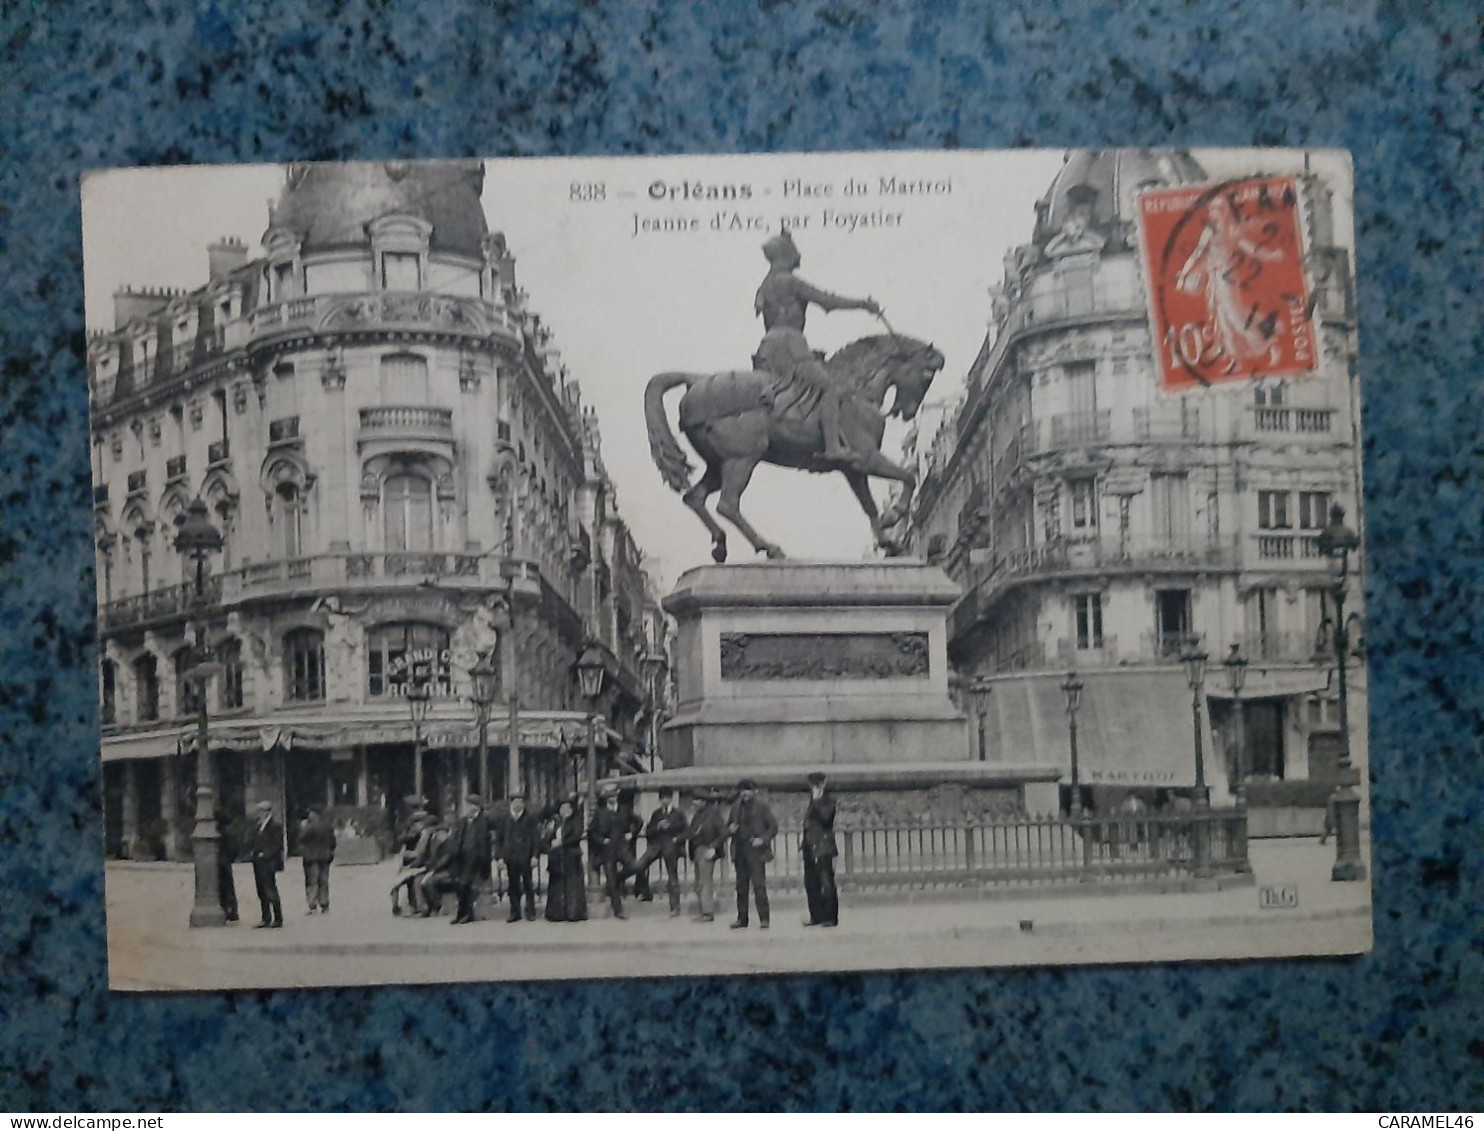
(1285, 549)
(454, 314)
(403, 424)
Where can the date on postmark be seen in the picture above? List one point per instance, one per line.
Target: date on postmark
(1228, 296)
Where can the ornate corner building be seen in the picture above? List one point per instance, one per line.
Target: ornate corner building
(1096, 523)
(407, 480)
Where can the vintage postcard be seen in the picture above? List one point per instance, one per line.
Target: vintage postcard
(727, 565)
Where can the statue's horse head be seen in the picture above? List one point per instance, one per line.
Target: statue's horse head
(895, 361)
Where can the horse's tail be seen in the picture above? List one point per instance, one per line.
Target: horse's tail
(664, 448)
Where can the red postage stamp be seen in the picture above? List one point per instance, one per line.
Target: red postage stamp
(1228, 298)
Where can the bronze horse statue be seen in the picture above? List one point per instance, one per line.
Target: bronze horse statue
(740, 418)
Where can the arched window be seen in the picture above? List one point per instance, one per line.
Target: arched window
(146, 689)
(108, 684)
(404, 379)
(229, 695)
(304, 664)
(187, 690)
(398, 655)
(407, 512)
(288, 517)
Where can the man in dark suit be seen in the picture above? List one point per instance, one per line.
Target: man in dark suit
(607, 841)
(317, 847)
(472, 866)
(664, 840)
(517, 837)
(753, 828)
(267, 861)
(708, 843)
(819, 850)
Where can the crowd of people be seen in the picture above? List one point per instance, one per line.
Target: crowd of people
(456, 855)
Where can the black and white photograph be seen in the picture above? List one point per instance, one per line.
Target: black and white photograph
(731, 565)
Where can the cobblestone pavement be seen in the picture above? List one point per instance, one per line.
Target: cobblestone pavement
(360, 942)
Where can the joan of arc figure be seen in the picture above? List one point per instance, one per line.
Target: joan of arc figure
(783, 302)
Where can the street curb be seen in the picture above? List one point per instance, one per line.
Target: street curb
(432, 948)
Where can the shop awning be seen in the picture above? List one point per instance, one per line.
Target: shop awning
(543, 730)
(1134, 727)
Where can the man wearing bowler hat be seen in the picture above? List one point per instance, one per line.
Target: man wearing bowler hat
(664, 837)
(753, 828)
(819, 850)
(472, 859)
(516, 837)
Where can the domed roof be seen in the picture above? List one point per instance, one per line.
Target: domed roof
(1113, 176)
(329, 205)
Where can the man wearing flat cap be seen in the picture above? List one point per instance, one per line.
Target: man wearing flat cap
(472, 860)
(753, 828)
(317, 848)
(819, 851)
(266, 854)
(707, 838)
(517, 836)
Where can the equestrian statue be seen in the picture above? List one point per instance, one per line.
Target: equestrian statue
(792, 409)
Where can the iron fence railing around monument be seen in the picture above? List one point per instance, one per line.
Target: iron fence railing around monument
(1003, 852)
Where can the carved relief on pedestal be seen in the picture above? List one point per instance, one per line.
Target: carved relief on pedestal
(856, 655)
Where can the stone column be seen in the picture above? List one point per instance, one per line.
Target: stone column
(168, 815)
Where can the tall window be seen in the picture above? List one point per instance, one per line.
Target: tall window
(398, 655)
(1313, 509)
(1169, 495)
(289, 517)
(108, 681)
(1268, 395)
(1272, 510)
(1090, 620)
(304, 664)
(230, 681)
(1262, 622)
(407, 512)
(404, 379)
(147, 688)
(1171, 620)
(187, 690)
(1082, 388)
(401, 271)
(1084, 505)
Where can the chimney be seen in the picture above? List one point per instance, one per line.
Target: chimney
(129, 304)
(226, 256)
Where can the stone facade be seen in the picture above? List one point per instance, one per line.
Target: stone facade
(402, 470)
(1095, 522)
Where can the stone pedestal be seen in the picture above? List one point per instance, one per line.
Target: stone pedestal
(787, 667)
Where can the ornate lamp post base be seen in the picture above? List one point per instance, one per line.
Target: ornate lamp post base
(1349, 867)
(207, 911)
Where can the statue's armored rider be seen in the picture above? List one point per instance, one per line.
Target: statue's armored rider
(783, 301)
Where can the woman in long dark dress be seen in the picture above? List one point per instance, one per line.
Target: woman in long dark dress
(566, 885)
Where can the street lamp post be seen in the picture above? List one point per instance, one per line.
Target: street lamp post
(1195, 673)
(1336, 542)
(654, 667)
(1071, 687)
(419, 699)
(590, 672)
(482, 677)
(1236, 675)
(196, 540)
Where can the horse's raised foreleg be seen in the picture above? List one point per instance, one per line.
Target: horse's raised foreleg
(695, 498)
(882, 468)
(735, 475)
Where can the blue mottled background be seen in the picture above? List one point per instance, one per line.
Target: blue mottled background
(96, 84)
